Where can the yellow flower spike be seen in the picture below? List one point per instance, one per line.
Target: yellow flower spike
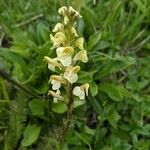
(64, 55)
(81, 90)
(82, 56)
(56, 95)
(59, 27)
(52, 63)
(79, 43)
(71, 73)
(63, 11)
(56, 81)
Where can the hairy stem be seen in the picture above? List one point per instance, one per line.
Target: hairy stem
(69, 117)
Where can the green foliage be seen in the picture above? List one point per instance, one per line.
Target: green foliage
(30, 134)
(115, 115)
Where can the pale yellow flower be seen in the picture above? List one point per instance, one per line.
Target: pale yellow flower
(64, 55)
(59, 27)
(63, 11)
(81, 91)
(56, 95)
(79, 43)
(74, 12)
(82, 56)
(71, 73)
(52, 63)
(56, 81)
(59, 39)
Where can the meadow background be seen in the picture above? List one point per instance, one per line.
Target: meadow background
(115, 115)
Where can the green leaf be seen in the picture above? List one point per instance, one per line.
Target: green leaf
(13, 57)
(116, 93)
(85, 77)
(42, 88)
(94, 39)
(59, 107)
(31, 134)
(95, 104)
(38, 107)
(78, 102)
(93, 88)
(113, 117)
(112, 91)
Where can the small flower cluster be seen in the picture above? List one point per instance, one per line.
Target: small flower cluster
(69, 50)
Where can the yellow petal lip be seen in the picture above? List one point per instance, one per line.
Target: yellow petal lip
(57, 78)
(85, 87)
(53, 62)
(82, 56)
(65, 51)
(76, 69)
(79, 43)
(72, 69)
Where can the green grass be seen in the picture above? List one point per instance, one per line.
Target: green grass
(116, 113)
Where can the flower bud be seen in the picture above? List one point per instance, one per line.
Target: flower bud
(59, 27)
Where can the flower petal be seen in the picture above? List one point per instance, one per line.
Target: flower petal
(77, 91)
(63, 10)
(82, 56)
(55, 84)
(52, 63)
(79, 42)
(58, 27)
(55, 95)
(85, 87)
(65, 60)
(65, 51)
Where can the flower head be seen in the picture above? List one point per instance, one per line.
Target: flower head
(58, 28)
(81, 91)
(52, 63)
(56, 81)
(71, 73)
(56, 95)
(59, 39)
(65, 55)
(69, 50)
